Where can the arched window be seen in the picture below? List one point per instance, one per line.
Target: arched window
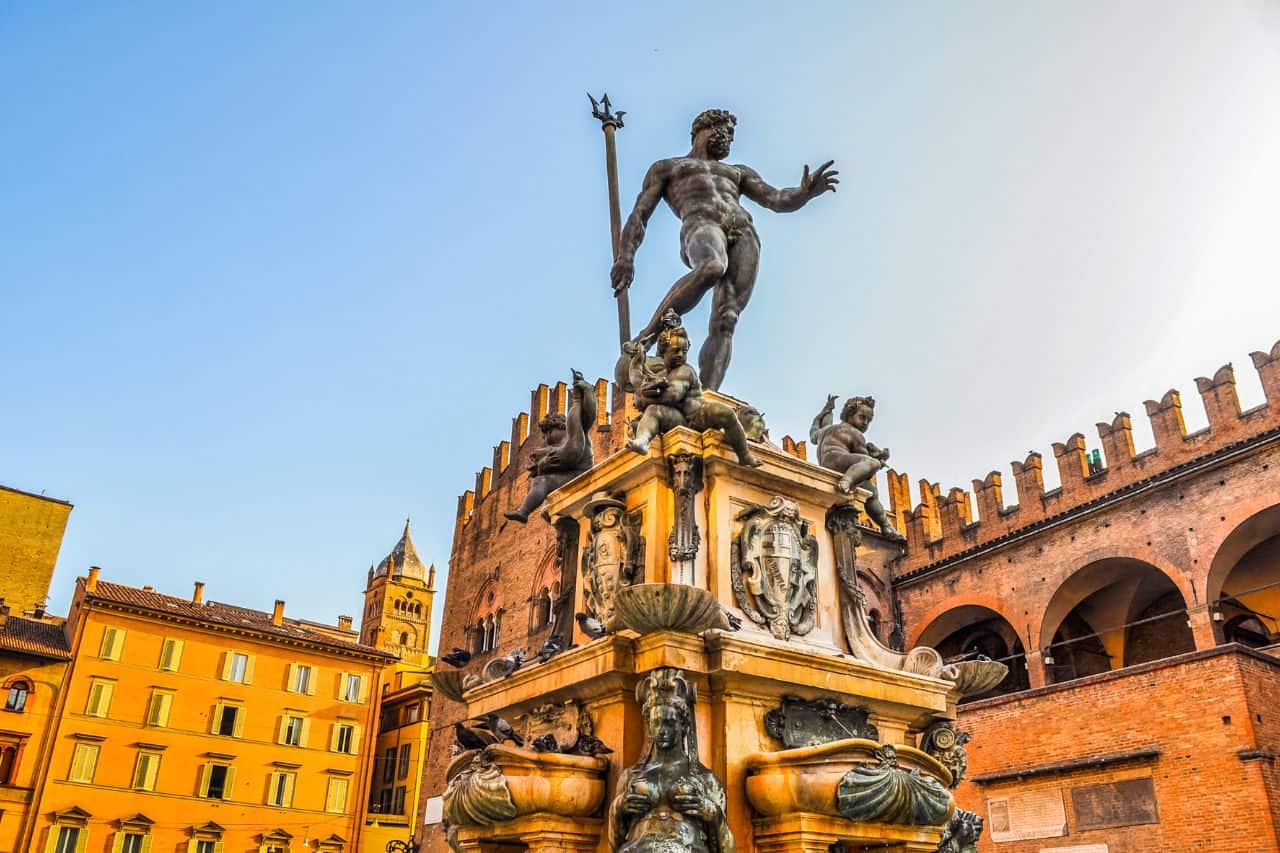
(478, 638)
(417, 610)
(8, 762)
(16, 698)
(404, 638)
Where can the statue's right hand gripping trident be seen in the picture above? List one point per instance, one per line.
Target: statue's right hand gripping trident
(622, 274)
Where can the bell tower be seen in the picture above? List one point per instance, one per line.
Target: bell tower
(397, 603)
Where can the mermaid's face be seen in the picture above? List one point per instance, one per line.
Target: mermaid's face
(665, 726)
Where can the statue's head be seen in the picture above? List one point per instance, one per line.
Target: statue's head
(554, 427)
(665, 698)
(858, 412)
(673, 346)
(718, 126)
(752, 420)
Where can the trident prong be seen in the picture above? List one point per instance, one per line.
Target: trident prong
(601, 109)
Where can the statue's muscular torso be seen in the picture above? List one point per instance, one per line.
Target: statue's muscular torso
(700, 191)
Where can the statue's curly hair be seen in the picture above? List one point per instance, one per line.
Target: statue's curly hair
(668, 335)
(711, 118)
(555, 420)
(851, 405)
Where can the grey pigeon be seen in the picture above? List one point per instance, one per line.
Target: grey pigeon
(546, 743)
(468, 739)
(591, 626)
(552, 647)
(591, 745)
(501, 729)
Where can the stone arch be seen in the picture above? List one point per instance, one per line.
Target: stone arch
(919, 634)
(1115, 610)
(1242, 584)
(966, 629)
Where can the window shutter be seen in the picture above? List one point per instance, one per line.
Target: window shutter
(205, 772)
(171, 656)
(217, 847)
(166, 704)
(364, 689)
(333, 737)
(215, 718)
(312, 677)
(273, 779)
(306, 732)
(281, 727)
(248, 672)
(146, 843)
(342, 685)
(291, 682)
(226, 665)
(82, 839)
(239, 727)
(227, 789)
(355, 739)
(289, 779)
(112, 642)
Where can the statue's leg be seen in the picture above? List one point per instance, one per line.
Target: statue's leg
(646, 428)
(862, 469)
(720, 415)
(539, 488)
(876, 509)
(705, 250)
(730, 299)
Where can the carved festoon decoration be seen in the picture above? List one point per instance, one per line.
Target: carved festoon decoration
(668, 394)
(801, 722)
(566, 562)
(946, 743)
(886, 793)
(477, 795)
(610, 561)
(718, 240)
(565, 451)
(844, 447)
(842, 522)
(668, 801)
(685, 472)
(565, 722)
(961, 833)
(774, 568)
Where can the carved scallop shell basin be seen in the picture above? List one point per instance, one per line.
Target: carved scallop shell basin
(548, 782)
(649, 607)
(448, 682)
(806, 779)
(974, 677)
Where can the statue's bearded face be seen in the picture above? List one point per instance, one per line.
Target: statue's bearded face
(666, 725)
(720, 141)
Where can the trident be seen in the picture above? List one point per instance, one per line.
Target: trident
(609, 123)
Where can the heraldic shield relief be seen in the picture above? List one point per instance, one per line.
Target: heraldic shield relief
(774, 568)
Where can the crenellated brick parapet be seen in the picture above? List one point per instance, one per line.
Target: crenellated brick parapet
(941, 527)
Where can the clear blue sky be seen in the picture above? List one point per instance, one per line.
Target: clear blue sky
(275, 276)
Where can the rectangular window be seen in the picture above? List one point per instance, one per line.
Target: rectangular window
(351, 688)
(302, 679)
(237, 667)
(412, 713)
(100, 692)
(389, 764)
(227, 721)
(132, 843)
(145, 771)
(335, 799)
(112, 643)
(205, 847)
(291, 732)
(84, 762)
(344, 738)
(158, 708)
(405, 750)
(171, 655)
(397, 807)
(68, 839)
(280, 789)
(216, 781)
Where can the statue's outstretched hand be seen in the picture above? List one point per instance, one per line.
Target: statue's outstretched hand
(830, 405)
(822, 180)
(622, 274)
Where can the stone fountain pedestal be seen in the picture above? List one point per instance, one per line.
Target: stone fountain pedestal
(660, 548)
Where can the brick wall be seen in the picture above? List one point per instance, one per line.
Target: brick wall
(31, 528)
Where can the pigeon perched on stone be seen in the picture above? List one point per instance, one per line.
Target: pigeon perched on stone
(591, 745)
(501, 729)
(552, 647)
(546, 743)
(458, 658)
(468, 738)
(591, 626)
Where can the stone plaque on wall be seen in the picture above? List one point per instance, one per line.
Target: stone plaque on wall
(1129, 802)
(1028, 814)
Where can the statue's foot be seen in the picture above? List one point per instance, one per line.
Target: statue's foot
(517, 515)
(887, 528)
(641, 447)
(845, 486)
(749, 459)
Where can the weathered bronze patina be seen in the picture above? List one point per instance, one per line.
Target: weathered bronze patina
(718, 241)
(844, 447)
(566, 450)
(668, 801)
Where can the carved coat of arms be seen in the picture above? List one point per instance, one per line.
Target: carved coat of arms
(613, 556)
(774, 568)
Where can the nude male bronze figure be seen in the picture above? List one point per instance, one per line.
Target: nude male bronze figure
(718, 241)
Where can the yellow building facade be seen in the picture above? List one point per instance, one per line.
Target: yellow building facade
(31, 529)
(397, 619)
(202, 727)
